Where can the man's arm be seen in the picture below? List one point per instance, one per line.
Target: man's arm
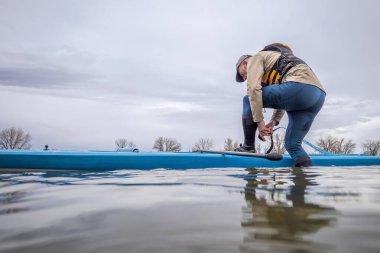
(255, 71)
(277, 115)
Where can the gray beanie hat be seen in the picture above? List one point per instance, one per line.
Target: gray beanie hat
(239, 78)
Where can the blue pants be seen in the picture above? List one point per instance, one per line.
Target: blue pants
(302, 102)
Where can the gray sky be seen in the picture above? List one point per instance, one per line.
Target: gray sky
(80, 74)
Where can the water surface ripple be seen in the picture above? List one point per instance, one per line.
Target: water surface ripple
(335, 209)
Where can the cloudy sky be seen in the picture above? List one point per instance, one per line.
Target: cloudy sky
(78, 74)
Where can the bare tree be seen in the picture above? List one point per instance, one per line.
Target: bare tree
(336, 145)
(344, 146)
(123, 143)
(327, 143)
(230, 145)
(163, 144)
(279, 143)
(159, 144)
(371, 148)
(203, 144)
(14, 138)
(172, 145)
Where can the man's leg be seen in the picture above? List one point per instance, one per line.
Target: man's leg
(249, 128)
(299, 125)
(302, 103)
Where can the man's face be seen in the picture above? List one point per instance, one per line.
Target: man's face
(243, 69)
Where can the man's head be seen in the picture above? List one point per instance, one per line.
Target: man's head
(241, 68)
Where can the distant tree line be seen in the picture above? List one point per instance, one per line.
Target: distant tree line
(330, 144)
(16, 138)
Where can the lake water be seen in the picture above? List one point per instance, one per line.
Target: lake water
(331, 209)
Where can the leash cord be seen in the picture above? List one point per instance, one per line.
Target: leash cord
(271, 140)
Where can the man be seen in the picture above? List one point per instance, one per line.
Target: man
(277, 79)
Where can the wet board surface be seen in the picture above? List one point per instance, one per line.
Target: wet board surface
(109, 160)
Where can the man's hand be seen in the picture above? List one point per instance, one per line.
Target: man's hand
(270, 126)
(264, 130)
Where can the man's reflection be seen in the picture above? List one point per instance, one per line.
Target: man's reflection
(277, 219)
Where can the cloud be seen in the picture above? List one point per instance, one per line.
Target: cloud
(339, 111)
(80, 122)
(81, 73)
(366, 128)
(41, 77)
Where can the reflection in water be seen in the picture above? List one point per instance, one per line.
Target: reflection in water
(277, 218)
(9, 198)
(285, 210)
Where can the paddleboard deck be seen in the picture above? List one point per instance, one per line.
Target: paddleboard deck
(109, 160)
(270, 156)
